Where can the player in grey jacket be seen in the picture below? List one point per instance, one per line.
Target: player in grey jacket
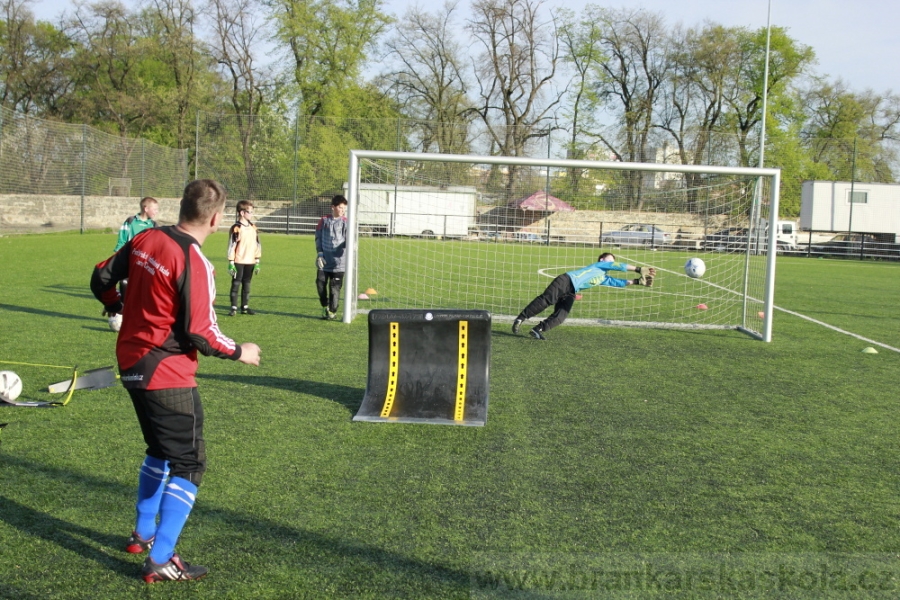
(331, 262)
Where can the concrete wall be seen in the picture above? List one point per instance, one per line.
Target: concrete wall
(26, 213)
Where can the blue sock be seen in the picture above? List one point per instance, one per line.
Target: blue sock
(151, 483)
(174, 509)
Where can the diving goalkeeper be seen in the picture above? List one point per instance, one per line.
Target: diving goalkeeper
(561, 291)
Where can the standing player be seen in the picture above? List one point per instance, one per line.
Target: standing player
(561, 291)
(331, 242)
(169, 318)
(244, 252)
(135, 224)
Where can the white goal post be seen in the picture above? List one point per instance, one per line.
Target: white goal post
(490, 232)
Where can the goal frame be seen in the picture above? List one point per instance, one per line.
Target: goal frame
(774, 175)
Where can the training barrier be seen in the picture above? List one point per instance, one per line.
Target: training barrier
(428, 366)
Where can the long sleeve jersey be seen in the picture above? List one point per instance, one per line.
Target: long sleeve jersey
(596, 274)
(131, 227)
(169, 316)
(331, 241)
(243, 244)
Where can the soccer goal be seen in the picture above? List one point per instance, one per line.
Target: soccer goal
(490, 233)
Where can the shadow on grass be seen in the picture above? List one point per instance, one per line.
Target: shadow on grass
(349, 560)
(346, 396)
(68, 536)
(50, 313)
(75, 291)
(223, 313)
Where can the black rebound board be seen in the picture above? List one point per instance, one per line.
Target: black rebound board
(418, 362)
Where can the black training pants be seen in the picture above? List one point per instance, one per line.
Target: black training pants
(242, 281)
(328, 282)
(560, 294)
(172, 423)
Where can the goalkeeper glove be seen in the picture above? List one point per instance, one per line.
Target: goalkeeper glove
(232, 270)
(647, 274)
(320, 261)
(256, 269)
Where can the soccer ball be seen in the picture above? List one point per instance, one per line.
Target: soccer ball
(695, 268)
(115, 322)
(10, 386)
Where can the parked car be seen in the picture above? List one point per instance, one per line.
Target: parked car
(527, 236)
(844, 244)
(734, 239)
(638, 235)
(726, 240)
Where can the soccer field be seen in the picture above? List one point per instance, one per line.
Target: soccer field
(615, 463)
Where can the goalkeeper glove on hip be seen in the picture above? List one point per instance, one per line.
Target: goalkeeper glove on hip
(232, 270)
(256, 269)
(320, 261)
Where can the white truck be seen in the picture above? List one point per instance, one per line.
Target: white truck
(416, 210)
(785, 235)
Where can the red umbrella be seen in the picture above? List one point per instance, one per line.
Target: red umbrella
(541, 201)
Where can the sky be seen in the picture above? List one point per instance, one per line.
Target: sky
(854, 40)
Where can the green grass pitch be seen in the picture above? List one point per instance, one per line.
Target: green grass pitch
(616, 462)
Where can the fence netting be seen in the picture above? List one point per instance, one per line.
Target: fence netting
(49, 158)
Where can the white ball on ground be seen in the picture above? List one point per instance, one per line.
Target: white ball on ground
(694, 268)
(115, 322)
(10, 386)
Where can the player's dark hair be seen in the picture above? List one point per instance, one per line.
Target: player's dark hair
(243, 205)
(338, 200)
(147, 200)
(202, 199)
(600, 258)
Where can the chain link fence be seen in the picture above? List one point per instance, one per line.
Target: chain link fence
(54, 175)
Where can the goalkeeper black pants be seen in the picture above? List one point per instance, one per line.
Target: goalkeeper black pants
(560, 294)
(329, 286)
(242, 281)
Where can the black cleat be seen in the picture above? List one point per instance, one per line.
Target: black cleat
(232, 312)
(174, 570)
(247, 311)
(137, 545)
(537, 333)
(516, 325)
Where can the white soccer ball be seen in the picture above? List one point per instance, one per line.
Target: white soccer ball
(695, 268)
(10, 386)
(115, 322)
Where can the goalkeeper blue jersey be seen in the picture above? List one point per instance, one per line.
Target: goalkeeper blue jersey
(595, 274)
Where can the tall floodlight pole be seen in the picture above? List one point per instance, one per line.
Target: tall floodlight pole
(762, 133)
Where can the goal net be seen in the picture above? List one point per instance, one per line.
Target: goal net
(490, 233)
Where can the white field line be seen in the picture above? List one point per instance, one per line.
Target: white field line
(784, 310)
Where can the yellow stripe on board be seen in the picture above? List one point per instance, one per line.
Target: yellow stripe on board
(461, 371)
(393, 368)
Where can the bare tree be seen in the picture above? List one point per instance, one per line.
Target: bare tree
(635, 47)
(238, 38)
(173, 23)
(581, 43)
(515, 73)
(704, 69)
(428, 79)
(111, 50)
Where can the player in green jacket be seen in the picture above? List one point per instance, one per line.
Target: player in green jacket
(135, 224)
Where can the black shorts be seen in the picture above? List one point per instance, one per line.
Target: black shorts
(172, 423)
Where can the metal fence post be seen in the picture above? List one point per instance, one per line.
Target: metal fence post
(83, 171)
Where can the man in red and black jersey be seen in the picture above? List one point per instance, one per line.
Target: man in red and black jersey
(168, 319)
